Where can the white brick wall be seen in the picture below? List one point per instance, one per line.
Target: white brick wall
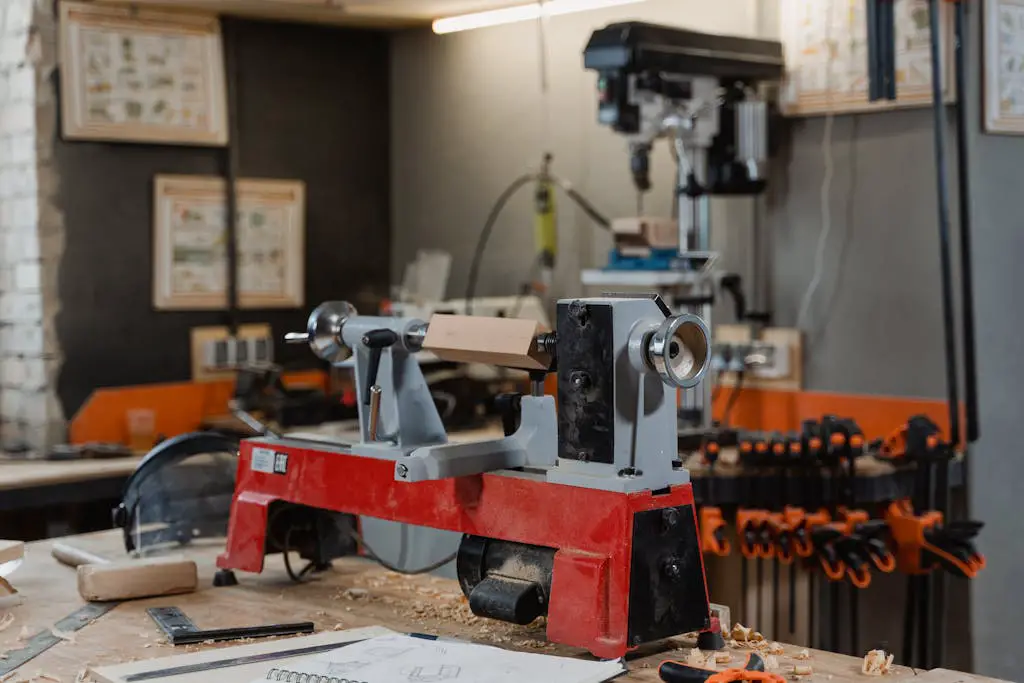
(31, 229)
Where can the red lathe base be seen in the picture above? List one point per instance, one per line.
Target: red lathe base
(591, 530)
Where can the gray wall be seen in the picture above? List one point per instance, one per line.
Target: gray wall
(997, 177)
(468, 116)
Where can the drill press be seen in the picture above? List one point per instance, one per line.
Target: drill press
(580, 512)
(701, 93)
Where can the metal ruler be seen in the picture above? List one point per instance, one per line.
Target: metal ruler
(231, 662)
(181, 630)
(44, 640)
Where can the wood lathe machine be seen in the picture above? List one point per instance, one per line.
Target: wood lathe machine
(582, 512)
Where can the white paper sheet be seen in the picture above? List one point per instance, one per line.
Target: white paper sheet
(408, 659)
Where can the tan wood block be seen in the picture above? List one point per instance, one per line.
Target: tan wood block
(509, 342)
(130, 579)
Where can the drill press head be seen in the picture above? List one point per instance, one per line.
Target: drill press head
(657, 81)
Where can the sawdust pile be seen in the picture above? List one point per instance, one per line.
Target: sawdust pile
(424, 603)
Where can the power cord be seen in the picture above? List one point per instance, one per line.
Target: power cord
(499, 206)
(286, 552)
(733, 396)
(826, 184)
(485, 234)
(302, 574)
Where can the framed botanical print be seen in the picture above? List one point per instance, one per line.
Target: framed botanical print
(1004, 66)
(130, 75)
(190, 243)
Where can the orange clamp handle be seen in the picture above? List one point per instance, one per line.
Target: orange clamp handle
(861, 578)
(744, 520)
(711, 525)
(833, 572)
(884, 563)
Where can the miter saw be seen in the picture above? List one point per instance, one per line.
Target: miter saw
(581, 512)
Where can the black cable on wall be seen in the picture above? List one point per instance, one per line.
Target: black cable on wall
(231, 172)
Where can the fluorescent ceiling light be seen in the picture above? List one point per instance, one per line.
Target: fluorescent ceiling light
(511, 15)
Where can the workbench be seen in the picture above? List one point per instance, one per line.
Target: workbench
(44, 482)
(93, 485)
(355, 592)
(40, 498)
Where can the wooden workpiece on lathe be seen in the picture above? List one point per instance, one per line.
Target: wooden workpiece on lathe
(508, 342)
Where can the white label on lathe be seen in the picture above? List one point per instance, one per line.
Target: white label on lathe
(262, 460)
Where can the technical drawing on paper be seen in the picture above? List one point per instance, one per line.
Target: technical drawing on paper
(338, 668)
(825, 42)
(388, 651)
(1004, 66)
(431, 673)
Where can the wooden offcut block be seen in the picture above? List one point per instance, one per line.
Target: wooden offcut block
(11, 550)
(650, 232)
(509, 342)
(130, 579)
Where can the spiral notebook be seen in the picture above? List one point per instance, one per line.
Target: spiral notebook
(413, 659)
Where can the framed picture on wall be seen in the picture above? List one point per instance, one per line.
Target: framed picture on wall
(1004, 66)
(130, 75)
(825, 44)
(190, 243)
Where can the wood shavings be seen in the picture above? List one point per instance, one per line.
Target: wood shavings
(82, 676)
(734, 644)
(747, 636)
(876, 663)
(771, 663)
(6, 620)
(758, 645)
(696, 658)
(24, 634)
(803, 655)
(356, 594)
(802, 670)
(722, 657)
(43, 676)
(775, 648)
(741, 633)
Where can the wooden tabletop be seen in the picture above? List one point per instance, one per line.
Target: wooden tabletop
(26, 474)
(355, 592)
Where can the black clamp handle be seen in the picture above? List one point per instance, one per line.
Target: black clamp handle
(376, 341)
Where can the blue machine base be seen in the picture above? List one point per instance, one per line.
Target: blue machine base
(659, 259)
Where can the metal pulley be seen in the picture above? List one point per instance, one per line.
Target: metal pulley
(323, 331)
(680, 350)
